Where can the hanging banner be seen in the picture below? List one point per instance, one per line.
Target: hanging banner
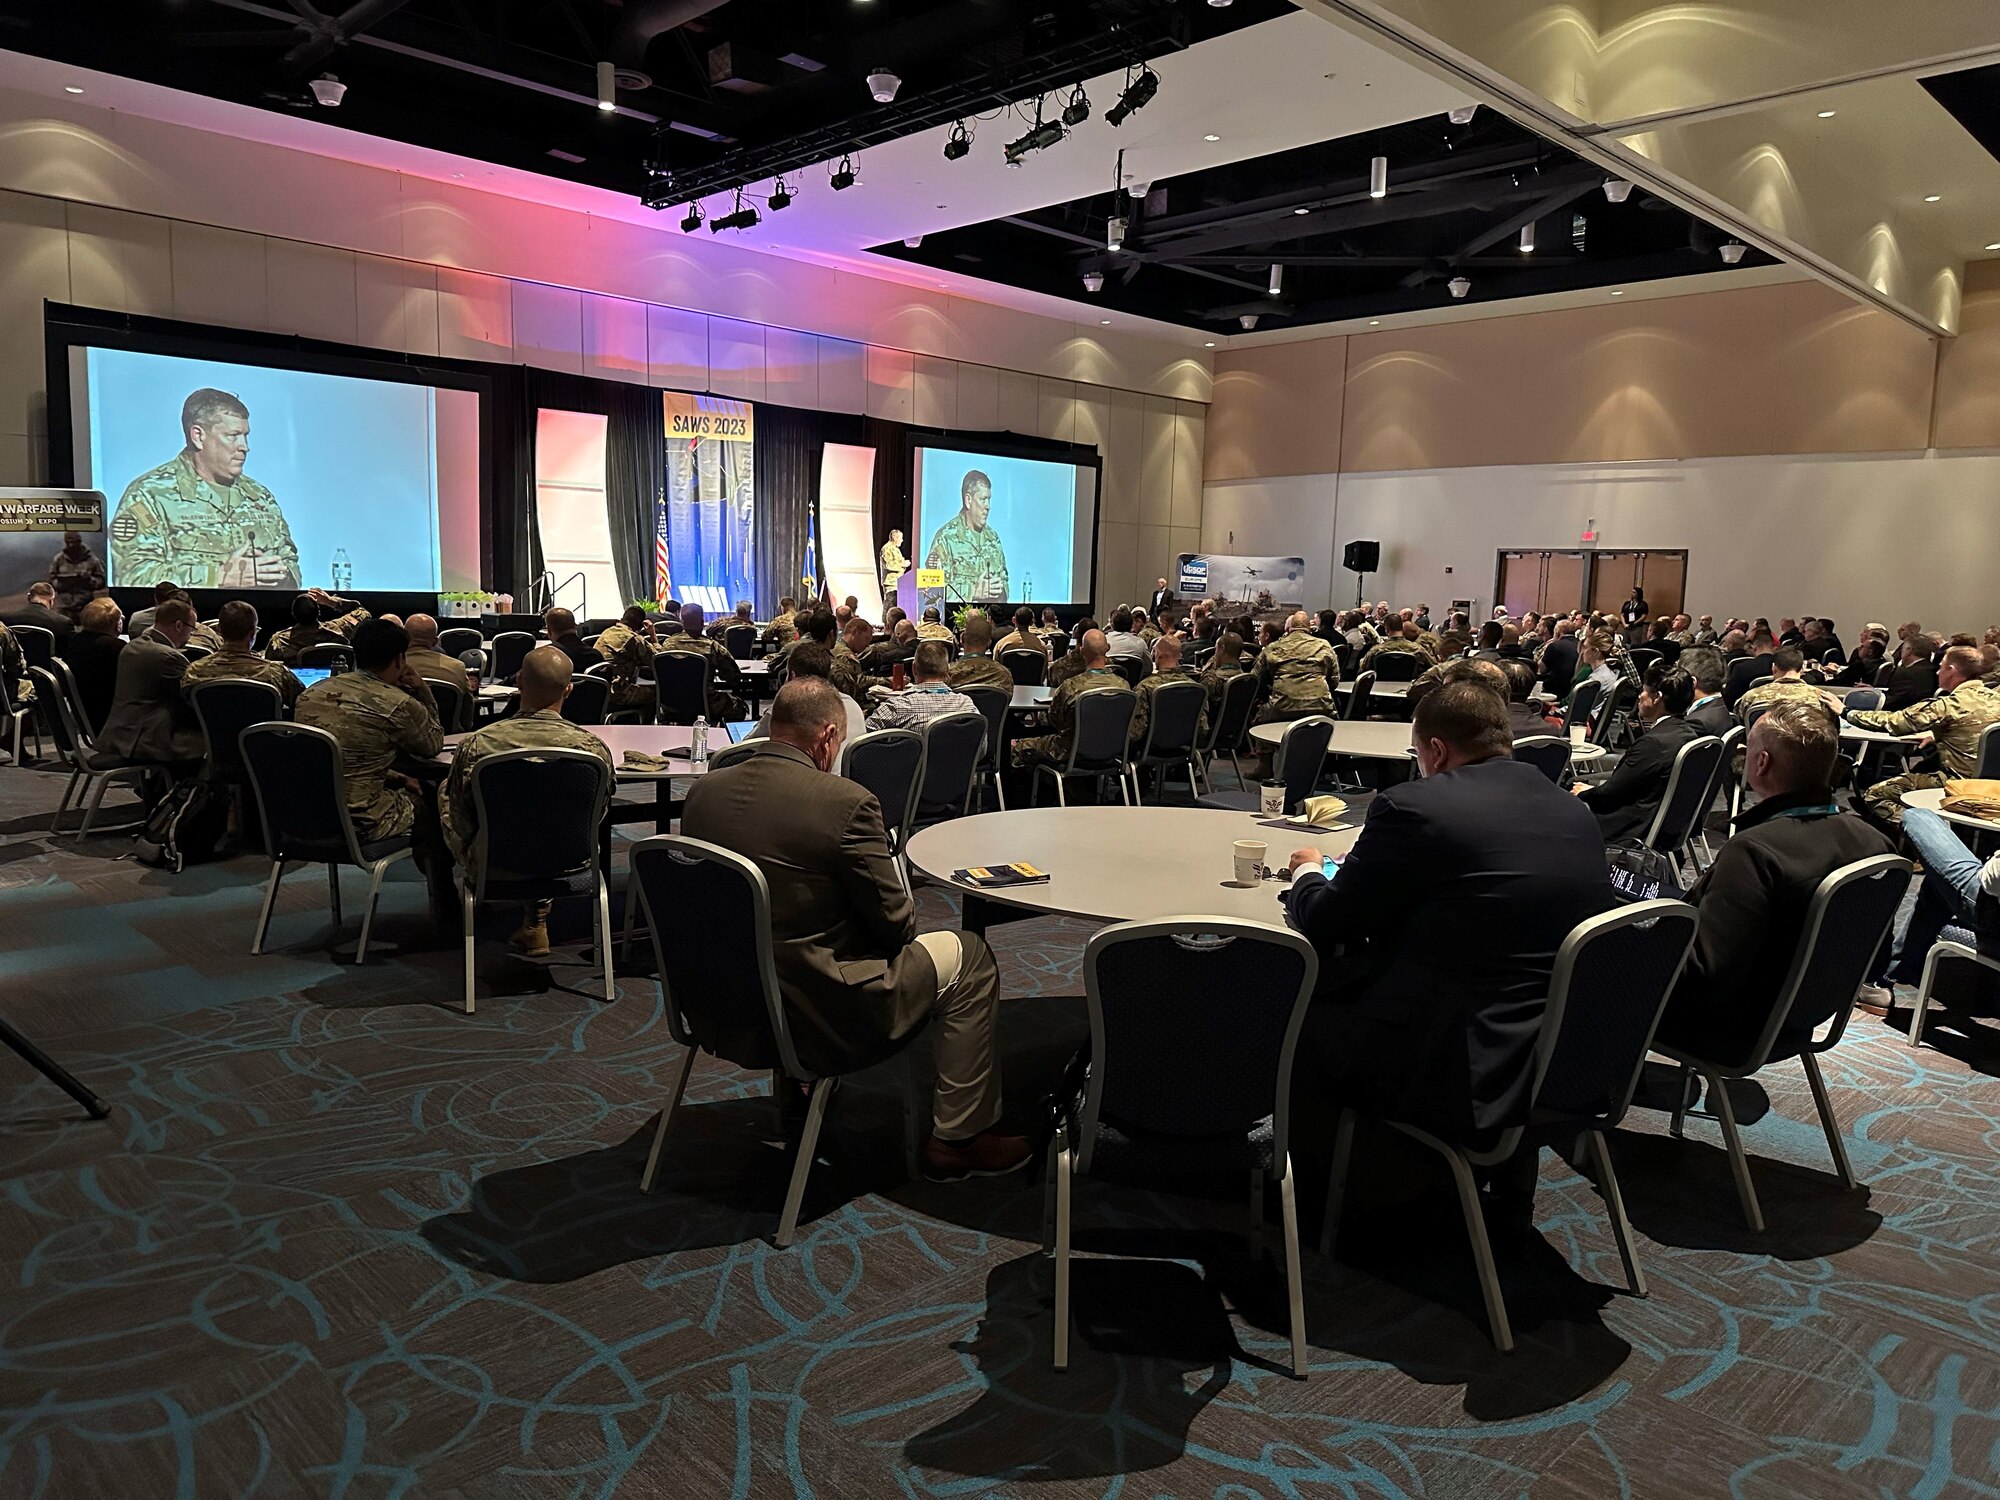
(1257, 583)
(710, 490)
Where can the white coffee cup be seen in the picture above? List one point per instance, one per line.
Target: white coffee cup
(1578, 733)
(1271, 798)
(1250, 860)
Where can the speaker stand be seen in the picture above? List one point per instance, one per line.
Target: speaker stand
(50, 1069)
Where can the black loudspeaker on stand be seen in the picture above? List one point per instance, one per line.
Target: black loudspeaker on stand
(1361, 558)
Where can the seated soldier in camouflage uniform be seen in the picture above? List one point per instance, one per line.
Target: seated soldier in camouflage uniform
(724, 680)
(1068, 666)
(856, 637)
(629, 647)
(235, 657)
(538, 724)
(1297, 671)
(382, 714)
(318, 619)
(1407, 640)
(1954, 719)
(976, 665)
(1097, 676)
(1786, 664)
(932, 627)
(1225, 664)
(784, 626)
(1166, 668)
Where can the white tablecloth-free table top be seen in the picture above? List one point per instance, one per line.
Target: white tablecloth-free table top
(654, 739)
(1357, 737)
(1398, 690)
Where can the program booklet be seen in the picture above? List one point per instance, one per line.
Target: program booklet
(988, 876)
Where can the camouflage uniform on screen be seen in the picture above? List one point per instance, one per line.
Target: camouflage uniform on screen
(629, 653)
(1216, 680)
(1143, 714)
(545, 729)
(974, 562)
(172, 523)
(286, 645)
(1297, 672)
(375, 723)
(1954, 720)
(977, 669)
(14, 668)
(724, 676)
(233, 662)
(1774, 692)
(77, 580)
(1054, 746)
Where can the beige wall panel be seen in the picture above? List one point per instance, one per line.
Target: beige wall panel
(1156, 463)
(120, 261)
(1786, 369)
(843, 376)
(791, 368)
(978, 398)
(218, 276)
(987, 335)
(312, 291)
(1154, 557)
(548, 326)
(1286, 517)
(1276, 410)
(1189, 423)
(888, 313)
(34, 267)
(736, 359)
(22, 461)
(1055, 415)
(1179, 539)
(1093, 423)
(1124, 440)
(936, 391)
(396, 305)
(475, 316)
(1020, 403)
(1117, 549)
(892, 378)
(1968, 394)
(614, 338)
(677, 348)
(1138, 362)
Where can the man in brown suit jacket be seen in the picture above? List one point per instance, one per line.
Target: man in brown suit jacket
(858, 980)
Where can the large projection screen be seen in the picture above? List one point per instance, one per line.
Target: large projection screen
(1003, 524)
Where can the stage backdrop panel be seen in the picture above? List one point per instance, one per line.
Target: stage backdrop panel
(710, 501)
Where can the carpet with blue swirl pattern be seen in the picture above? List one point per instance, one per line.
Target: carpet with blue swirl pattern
(339, 1239)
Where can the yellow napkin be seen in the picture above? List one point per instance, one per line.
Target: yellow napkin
(1323, 812)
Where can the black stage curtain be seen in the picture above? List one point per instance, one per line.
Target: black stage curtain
(510, 552)
(788, 455)
(634, 469)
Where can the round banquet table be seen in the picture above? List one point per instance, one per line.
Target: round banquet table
(1931, 799)
(1855, 734)
(1115, 864)
(1362, 738)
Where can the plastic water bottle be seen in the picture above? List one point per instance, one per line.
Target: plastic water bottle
(343, 571)
(1027, 587)
(698, 754)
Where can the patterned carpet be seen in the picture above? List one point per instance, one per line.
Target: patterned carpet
(339, 1239)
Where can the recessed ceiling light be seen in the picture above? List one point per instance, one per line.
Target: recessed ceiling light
(1616, 293)
(1827, 114)
(70, 88)
(1374, 322)
(1301, 212)
(1210, 344)
(1933, 197)
(1211, 137)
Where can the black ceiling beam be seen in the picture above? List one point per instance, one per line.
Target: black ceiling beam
(1128, 260)
(1486, 239)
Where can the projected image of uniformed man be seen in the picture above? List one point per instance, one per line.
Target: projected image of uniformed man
(198, 520)
(967, 549)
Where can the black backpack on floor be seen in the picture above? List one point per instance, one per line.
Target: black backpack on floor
(186, 826)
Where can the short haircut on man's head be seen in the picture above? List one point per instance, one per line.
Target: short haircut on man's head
(1676, 691)
(1050, 617)
(1963, 659)
(974, 479)
(931, 615)
(1803, 739)
(904, 631)
(1787, 659)
(1024, 619)
(202, 407)
(165, 590)
(1093, 645)
(423, 631)
(41, 590)
(377, 643)
(1704, 665)
(819, 626)
(743, 609)
(1520, 678)
(691, 618)
(633, 616)
(1469, 717)
(978, 632)
(236, 620)
(304, 611)
(544, 673)
(804, 707)
(1489, 636)
(930, 661)
(787, 602)
(559, 622)
(180, 612)
(857, 628)
(809, 659)
(1121, 619)
(1228, 646)
(1167, 651)
(894, 616)
(102, 612)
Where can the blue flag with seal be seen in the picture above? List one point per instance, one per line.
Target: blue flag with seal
(809, 568)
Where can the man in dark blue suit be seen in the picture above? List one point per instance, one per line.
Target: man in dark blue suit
(1439, 931)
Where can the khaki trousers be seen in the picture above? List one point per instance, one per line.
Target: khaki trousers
(1884, 800)
(967, 1097)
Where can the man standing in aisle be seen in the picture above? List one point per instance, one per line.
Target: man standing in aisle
(198, 517)
(967, 549)
(78, 575)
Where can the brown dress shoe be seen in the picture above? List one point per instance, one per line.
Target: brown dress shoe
(531, 939)
(987, 1154)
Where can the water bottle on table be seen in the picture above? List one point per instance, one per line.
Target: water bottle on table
(343, 571)
(698, 752)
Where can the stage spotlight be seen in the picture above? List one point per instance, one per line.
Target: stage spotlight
(1045, 134)
(844, 177)
(1077, 110)
(1138, 94)
(692, 221)
(741, 218)
(959, 144)
(781, 196)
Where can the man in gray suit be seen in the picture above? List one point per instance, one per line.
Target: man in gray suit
(858, 980)
(150, 720)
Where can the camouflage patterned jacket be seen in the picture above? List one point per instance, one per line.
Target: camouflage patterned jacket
(629, 653)
(545, 729)
(374, 723)
(1297, 671)
(14, 668)
(1142, 716)
(1955, 720)
(1062, 707)
(1216, 680)
(977, 669)
(172, 523)
(77, 580)
(974, 562)
(286, 645)
(230, 662)
(1772, 692)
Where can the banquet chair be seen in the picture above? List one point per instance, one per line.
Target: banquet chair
(539, 814)
(680, 679)
(742, 750)
(454, 705)
(1182, 1082)
(1547, 753)
(1170, 737)
(510, 649)
(1866, 699)
(1955, 946)
(1098, 745)
(18, 718)
(721, 994)
(459, 640)
(740, 641)
(1027, 668)
(1611, 981)
(1226, 730)
(301, 791)
(92, 772)
(1301, 755)
(38, 644)
(1846, 922)
(588, 701)
(1690, 791)
(225, 707)
(335, 655)
(994, 704)
(954, 746)
(1720, 787)
(1359, 695)
(890, 763)
(1398, 666)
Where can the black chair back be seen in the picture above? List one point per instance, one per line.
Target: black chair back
(681, 678)
(1232, 716)
(1171, 725)
(1546, 753)
(301, 791)
(740, 641)
(1582, 703)
(1988, 763)
(1358, 696)
(1301, 753)
(1399, 666)
(195, 651)
(459, 640)
(1689, 794)
(1101, 730)
(954, 745)
(1612, 978)
(327, 654)
(539, 814)
(993, 705)
(1132, 669)
(1865, 698)
(588, 701)
(59, 715)
(889, 762)
(1027, 668)
(1846, 922)
(722, 992)
(454, 705)
(510, 649)
(226, 707)
(1607, 712)
(1166, 1058)
(38, 644)
(1641, 658)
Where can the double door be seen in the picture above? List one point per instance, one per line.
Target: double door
(1544, 581)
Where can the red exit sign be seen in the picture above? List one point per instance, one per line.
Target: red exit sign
(1590, 536)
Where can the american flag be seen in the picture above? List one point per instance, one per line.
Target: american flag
(663, 574)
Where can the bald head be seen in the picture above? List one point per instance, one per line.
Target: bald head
(544, 679)
(1093, 647)
(559, 622)
(1299, 621)
(423, 631)
(1167, 652)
